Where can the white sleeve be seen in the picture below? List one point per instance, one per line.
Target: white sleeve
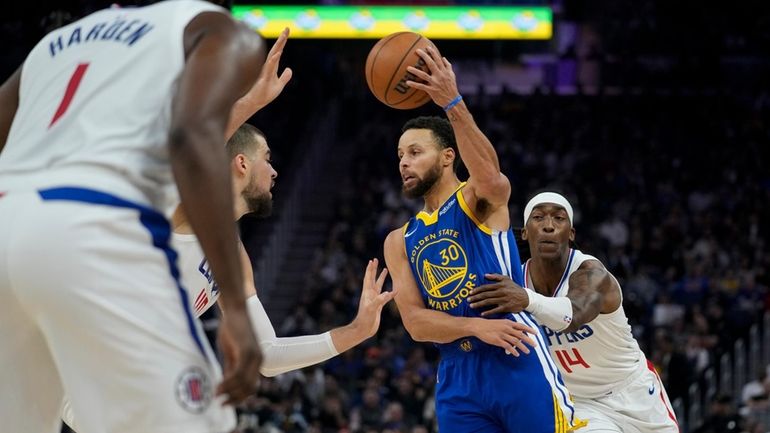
(288, 353)
(555, 313)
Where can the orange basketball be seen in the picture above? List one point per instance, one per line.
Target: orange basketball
(386, 71)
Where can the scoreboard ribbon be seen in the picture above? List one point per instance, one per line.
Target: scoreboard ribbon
(374, 22)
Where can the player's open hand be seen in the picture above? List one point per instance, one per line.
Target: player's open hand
(511, 336)
(502, 294)
(440, 82)
(373, 299)
(269, 84)
(242, 356)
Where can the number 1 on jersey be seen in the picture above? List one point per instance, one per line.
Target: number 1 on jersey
(69, 93)
(567, 361)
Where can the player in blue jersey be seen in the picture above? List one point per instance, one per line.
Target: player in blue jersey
(489, 380)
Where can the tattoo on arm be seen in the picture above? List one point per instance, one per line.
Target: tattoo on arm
(587, 293)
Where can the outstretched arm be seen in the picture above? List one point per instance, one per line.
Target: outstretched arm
(267, 87)
(592, 290)
(283, 354)
(489, 185)
(9, 102)
(424, 324)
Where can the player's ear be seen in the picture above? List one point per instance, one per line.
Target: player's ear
(572, 234)
(524, 233)
(448, 156)
(240, 163)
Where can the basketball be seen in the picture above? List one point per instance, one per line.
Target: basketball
(386, 72)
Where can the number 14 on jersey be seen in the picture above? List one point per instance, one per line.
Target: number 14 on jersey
(568, 360)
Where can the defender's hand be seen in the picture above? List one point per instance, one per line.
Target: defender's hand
(242, 356)
(441, 83)
(511, 336)
(503, 294)
(269, 84)
(373, 299)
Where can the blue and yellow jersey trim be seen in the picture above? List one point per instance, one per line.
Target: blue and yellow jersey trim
(432, 218)
(427, 218)
(560, 421)
(467, 210)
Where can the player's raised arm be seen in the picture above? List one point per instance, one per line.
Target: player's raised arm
(424, 324)
(490, 186)
(267, 87)
(9, 102)
(222, 55)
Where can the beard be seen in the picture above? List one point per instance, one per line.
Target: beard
(259, 203)
(424, 184)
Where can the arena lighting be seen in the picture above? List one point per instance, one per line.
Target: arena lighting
(373, 22)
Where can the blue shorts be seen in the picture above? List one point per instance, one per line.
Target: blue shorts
(481, 389)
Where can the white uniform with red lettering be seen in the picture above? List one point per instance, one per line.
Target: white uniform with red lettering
(91, 299)
(613, 385)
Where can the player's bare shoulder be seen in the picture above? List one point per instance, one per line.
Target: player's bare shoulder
(484, 209)
(239, 36)
(395, 247)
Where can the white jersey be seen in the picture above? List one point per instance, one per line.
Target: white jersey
(95, 103)
(599, 356)
(197, 278)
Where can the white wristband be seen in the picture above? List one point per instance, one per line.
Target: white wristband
(555, 313)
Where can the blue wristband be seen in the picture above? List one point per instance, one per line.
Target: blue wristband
(454, 102)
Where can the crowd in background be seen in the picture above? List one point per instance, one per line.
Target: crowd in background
(670, 192)
(667, 174)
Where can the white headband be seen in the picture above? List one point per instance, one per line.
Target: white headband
(548, 197)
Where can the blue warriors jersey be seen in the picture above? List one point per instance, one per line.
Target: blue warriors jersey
(449, 252)
(479, 387)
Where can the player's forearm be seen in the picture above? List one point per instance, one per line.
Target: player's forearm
(587, 288)
(288, 353)
(242, 110)
(292, 353)
(348, 336)
(584, 311)
(203, 180)
(438, 327)
(476, 150)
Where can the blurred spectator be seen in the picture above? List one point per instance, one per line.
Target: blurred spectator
(722, 417)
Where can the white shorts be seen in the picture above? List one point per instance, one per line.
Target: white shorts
(90, 306)
(642, 406)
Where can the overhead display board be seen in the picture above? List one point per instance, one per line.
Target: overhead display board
(374, 22)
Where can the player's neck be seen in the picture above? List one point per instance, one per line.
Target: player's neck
(546, 273)
(441, 191)
(240, 209)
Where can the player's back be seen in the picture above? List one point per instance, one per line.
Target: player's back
(95, 102)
